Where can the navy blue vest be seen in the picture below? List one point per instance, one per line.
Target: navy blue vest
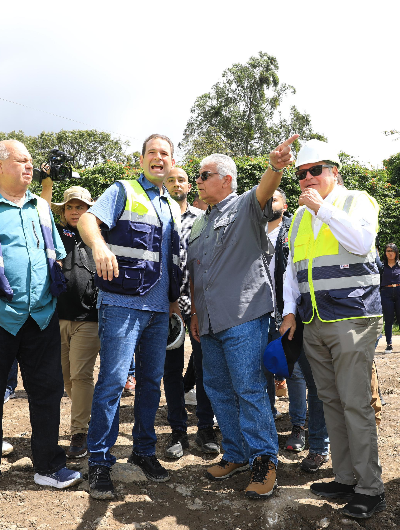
(136, 242)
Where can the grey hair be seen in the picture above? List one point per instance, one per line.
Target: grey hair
(5, 151)
(225, 166)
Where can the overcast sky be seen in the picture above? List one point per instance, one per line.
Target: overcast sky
(135, 68)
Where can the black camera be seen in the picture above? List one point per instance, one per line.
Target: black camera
(59, 166)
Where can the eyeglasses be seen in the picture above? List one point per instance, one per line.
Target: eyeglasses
(207, 174)
(314, 171)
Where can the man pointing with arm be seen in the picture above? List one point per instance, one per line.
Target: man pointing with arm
(231, 304)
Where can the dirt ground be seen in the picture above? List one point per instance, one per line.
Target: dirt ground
(189, 501)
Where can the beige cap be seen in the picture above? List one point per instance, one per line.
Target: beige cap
(75, 192)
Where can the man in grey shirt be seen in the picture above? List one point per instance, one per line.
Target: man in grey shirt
(231, 303)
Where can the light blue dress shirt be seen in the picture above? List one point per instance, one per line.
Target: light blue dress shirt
(25, 265)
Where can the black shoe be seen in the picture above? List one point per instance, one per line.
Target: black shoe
(100, 484)
(297, 439)
(78, 447)
(363, 506)
(150, 466)
(313, 462)
(206, 439)
(389, 348)
(177, 442)
(332, 490)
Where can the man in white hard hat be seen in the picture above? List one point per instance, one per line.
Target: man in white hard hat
(338, 299)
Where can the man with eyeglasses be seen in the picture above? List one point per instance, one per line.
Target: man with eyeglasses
(231, 305)
(333, 282)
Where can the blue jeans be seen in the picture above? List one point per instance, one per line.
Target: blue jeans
(175, 392)
(123, 332)
(390, 297)
(273, 334)
(318, 438)
(12, 379)
(235, 383)
(39, 356)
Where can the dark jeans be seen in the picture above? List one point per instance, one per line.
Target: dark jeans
(175, 392)
(189, 379)
(12, 379)
(318, 438)
(39, 357)
(390, 297)
(132, 367)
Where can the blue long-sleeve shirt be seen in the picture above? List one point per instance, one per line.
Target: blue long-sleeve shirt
(25, 265)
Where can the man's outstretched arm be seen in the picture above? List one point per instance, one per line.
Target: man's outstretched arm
(105, 260)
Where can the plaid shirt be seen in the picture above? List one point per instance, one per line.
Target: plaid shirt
(187, 220)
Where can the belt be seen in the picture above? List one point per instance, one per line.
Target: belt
(393, 285)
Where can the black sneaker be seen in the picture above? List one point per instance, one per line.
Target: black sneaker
(363, 506)
(177, 442)
(78, 447)
(297, 439)
(389, 348)
(332, 490)
(100, 484)
(206, 439)
(150, 466)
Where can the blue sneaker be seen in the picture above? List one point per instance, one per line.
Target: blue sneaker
(9, 393)
(60, 479)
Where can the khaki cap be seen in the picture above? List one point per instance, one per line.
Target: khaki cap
(75, 192)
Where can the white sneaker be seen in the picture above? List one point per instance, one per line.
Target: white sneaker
(190, 397)
(6, 448)
(62, 478)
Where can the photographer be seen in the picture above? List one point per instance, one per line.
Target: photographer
(77, 312)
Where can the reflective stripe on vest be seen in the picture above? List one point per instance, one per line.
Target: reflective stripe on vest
(136, 242)
(144, 212)
(333, 282)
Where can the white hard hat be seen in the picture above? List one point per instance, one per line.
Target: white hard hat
(176, 335)
(317, 151)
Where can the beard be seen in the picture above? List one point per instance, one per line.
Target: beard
(179, 196)
(276, 214)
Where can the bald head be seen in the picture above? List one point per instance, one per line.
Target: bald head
(16, 168)
(177, 184)
(7, 146)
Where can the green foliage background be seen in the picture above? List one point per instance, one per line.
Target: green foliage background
(382, 184)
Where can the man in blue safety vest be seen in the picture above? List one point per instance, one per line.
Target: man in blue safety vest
(133, 230)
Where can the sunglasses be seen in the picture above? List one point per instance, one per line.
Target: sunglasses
(314, 171)
(207, 174)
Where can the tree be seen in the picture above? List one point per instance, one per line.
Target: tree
(88, 148)
(240, 113)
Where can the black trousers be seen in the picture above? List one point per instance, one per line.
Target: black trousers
(39, 356)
